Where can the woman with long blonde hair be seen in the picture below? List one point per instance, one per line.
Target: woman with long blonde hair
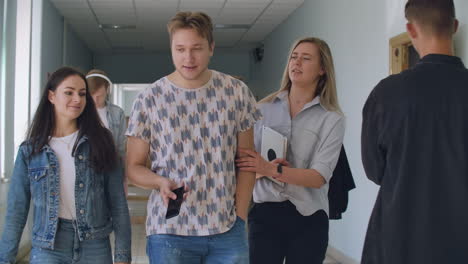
(289, 219)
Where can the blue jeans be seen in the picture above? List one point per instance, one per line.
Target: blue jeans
(227, 248)
(68, 249)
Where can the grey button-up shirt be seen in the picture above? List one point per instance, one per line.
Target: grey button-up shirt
(315, 136)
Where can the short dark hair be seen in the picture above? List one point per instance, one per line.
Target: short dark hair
(199, 21)
(435, 16)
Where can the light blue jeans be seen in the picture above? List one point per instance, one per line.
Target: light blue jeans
(68, 249)
(227, 248)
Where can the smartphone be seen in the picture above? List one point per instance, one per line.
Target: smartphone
(174, 205)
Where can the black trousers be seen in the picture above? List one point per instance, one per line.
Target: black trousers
(277, 231)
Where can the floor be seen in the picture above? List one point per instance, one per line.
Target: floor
(137, 206)
(139, 246)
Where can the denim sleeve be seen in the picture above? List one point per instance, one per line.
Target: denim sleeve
(120, 216)
(18, 201)
(121, 138)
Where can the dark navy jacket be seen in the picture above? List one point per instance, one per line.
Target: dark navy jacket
(415, 146)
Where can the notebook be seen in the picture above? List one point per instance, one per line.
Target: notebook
(273, 146)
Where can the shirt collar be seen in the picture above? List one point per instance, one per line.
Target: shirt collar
(441, 59)
(283, 96)
(84, 138)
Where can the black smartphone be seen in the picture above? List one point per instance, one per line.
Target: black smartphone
(174, 205)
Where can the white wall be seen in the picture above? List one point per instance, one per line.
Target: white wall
(461, 38)
(8, 80)
(60, 45)
(52, 41)
(147, 68)
(358, 33)
(75, 52)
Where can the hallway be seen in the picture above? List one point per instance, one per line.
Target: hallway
(128, 39)
(137, 205)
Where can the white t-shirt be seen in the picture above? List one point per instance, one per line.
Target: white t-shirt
(103, 115)
(63, 147)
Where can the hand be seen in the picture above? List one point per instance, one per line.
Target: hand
(254, 162)
(165, 190)
(284, 162)
(241, 215)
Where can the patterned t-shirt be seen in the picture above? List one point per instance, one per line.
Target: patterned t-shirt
(192, 135)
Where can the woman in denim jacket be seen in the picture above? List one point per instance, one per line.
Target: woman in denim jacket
(68, 168)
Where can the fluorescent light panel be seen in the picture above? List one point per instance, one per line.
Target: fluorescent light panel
(116, 27)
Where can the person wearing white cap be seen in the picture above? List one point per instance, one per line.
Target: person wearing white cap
(112, 116)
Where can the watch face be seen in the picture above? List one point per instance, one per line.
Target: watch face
(279, 169)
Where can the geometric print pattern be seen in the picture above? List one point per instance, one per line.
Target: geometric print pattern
(192, 135)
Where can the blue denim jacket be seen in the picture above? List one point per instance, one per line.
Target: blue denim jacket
(101, 205)
(117, 126)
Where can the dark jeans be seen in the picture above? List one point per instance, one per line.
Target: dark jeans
(278, 231)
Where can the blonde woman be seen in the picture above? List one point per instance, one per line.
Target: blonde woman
(289, 220)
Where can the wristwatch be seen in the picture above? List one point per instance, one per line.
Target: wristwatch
(279, 169)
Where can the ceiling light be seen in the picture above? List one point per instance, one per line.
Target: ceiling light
(116, 27)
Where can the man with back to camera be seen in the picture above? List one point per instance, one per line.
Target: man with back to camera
(415, 146)
(190, 124)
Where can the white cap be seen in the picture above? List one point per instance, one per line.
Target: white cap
(103, 77)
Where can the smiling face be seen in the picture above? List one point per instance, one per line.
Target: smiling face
(305, 65)
(191, 54)
(69, 98)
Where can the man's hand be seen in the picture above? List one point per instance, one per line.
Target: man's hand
(165, 190)
(166, 187)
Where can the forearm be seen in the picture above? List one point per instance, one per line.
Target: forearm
(302, 177)
(143, 177)
(244, 189)
(245, 179)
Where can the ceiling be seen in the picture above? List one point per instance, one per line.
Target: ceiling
(149, 18)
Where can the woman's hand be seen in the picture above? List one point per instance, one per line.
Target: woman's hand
(254, 162)
(283, 162)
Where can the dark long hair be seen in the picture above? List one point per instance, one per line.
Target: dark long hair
(103, 154)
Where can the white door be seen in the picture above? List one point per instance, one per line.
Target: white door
(124, 94)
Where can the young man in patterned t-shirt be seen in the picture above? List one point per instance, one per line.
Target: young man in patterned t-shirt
(190, 124)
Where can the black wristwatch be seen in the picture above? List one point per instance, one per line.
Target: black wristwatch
(279, 169)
